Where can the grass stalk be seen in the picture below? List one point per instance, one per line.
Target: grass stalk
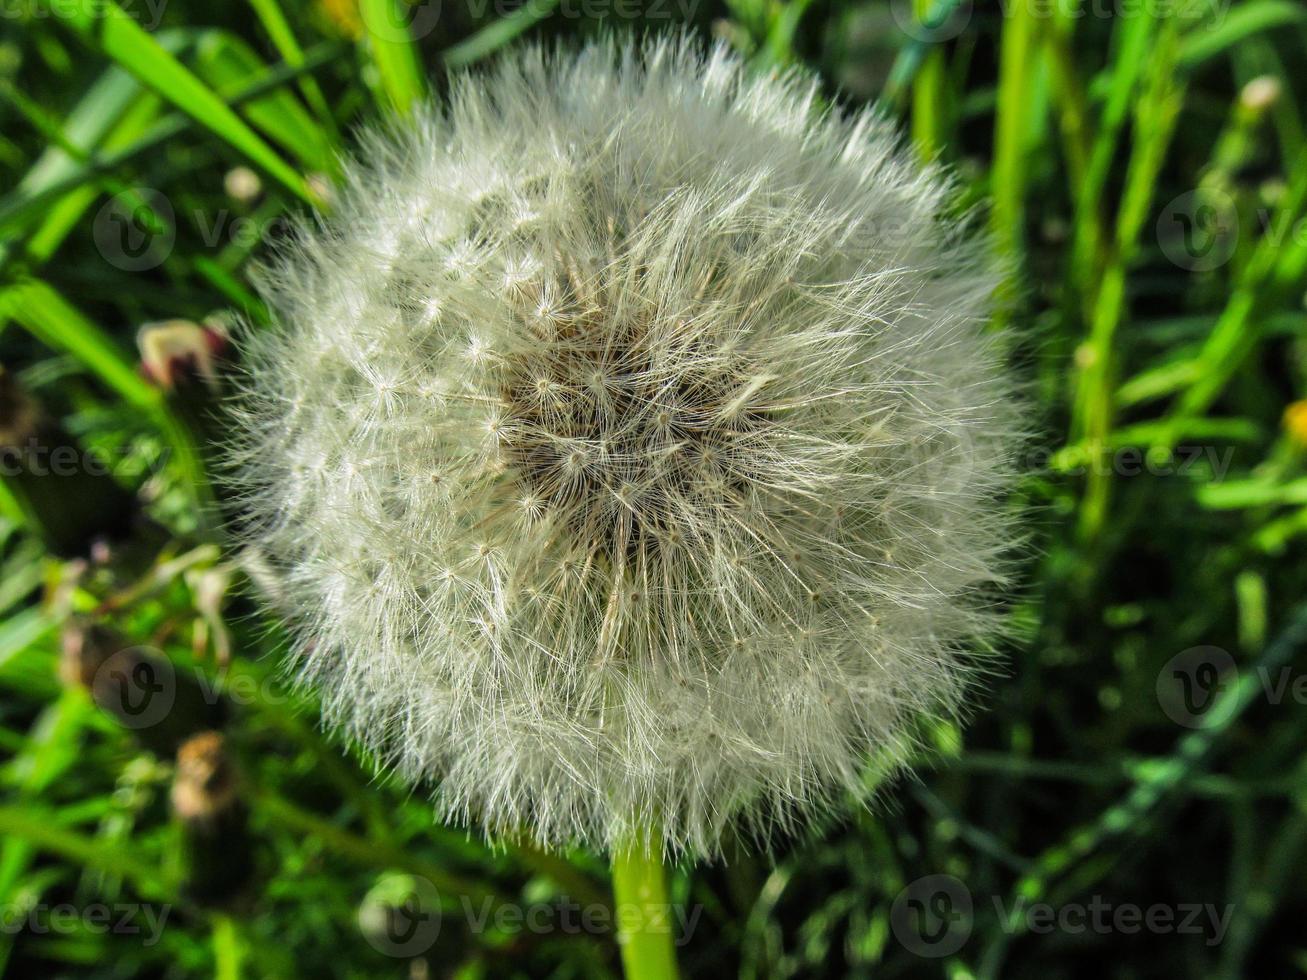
(643, 909)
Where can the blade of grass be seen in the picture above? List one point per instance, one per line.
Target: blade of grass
(59, 325)
(1012, 127)
(914, 51)
(390, 43)
(1091, 237)
(15, 208)
(43, 829)
(1239, 24)
(66, 212)
(497, 34)
(1129, 814)
(227, 63)
(228, 948)
(54, 133)
(231, 287)
(113, 31)
(1274, 271)
(87, 125)
(1263, 896)
(782, 30)
(368, 853)
(54, 322)
(928, 95)
(1156, 114)
(1068, 93)
(283, 39)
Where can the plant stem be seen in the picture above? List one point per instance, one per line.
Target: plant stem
(928, 95)
(1012, 129)
(642, 908)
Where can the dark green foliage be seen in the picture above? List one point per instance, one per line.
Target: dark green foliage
(1105, 813)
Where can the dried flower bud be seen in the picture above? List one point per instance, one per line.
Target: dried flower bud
(1261, 93)
(65, 492)
(174, 350)
(205, 786)
(83, 650)
(242, 185)
(18, 414)
(216, 849)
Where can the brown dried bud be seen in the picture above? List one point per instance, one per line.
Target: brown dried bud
(18, 413)
(174, 351)
(206, 783)
(216, 849)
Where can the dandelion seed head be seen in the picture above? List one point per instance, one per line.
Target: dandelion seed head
(630, 449)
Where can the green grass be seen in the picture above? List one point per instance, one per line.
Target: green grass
(1166, 489)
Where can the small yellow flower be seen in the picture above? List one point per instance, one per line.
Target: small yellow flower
(1295, 421)
(344, 15)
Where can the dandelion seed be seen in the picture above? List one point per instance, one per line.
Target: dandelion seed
(684, 428)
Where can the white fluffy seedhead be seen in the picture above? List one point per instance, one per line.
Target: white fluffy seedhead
(629, 448)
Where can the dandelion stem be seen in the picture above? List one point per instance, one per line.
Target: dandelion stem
(643, 911)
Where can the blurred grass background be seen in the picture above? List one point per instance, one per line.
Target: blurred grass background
(1143, 163)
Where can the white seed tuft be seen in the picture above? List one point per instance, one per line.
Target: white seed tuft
(631, 448)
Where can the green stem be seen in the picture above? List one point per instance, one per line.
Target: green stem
(644, 912)
(1012, 128)
(228, 950)
(928, 95)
